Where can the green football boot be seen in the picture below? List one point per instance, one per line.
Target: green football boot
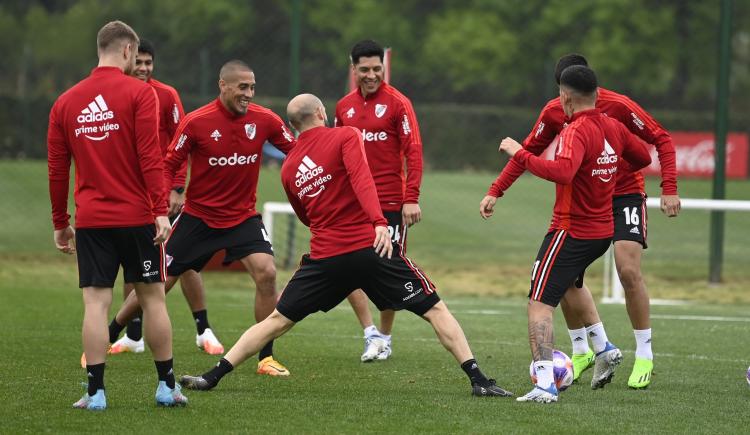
(581, 363)
(641, 375)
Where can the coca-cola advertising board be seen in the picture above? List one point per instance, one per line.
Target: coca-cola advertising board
(695, 155)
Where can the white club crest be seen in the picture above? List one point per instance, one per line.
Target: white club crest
(380, 110)
(250, 131)
(350, 112)
(175, 114)
(147, 265)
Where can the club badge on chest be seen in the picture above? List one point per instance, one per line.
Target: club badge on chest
(250, 131)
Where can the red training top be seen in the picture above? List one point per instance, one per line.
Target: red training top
(552, 121)
(330, 187)
(225, 153)
(585, 169)
(170, 114)
(390, 131)
(108, 123)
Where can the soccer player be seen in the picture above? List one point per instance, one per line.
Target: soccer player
(170, 114)
(224, 141)
(391, 135)
(328, 183)
(629, 208)
(108, 125)
(584, 171)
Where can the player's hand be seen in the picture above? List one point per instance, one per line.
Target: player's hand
(487, 206)
(163, 229)
(670, 205)
(382, 243)
(411, 214)
(65, 240)
(176, 200)
(510, 146)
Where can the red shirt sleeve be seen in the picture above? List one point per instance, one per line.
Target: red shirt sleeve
(281, 137)
(563, 169)
(177, 154)
(298, 208)
(642, 124)
(147, 147)
(58, 165)
(536, 142)
(355, 162)
(411, 148)
(634, 151)
(172, 124)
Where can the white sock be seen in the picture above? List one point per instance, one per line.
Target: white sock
(371, 331)
(545, 373)
(387, 338)
(598, 336)
(643, 343)
(579, 341)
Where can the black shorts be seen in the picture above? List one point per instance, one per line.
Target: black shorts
(561, 262)
(397, 230)
(630, 218)
(319, 285)
(101, 251)
(193, 243)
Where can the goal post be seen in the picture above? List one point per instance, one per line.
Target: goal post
(613, 292)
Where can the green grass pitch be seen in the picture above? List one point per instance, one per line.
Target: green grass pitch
(481, 269)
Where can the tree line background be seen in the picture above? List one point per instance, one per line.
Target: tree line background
(476, 70)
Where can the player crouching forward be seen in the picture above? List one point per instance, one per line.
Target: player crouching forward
(331, 189)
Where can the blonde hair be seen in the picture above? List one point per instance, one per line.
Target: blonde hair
(114, 32)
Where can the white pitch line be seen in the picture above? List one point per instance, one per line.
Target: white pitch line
(704, 318)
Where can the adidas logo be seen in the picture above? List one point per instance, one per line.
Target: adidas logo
(648, 341)
(608, 155)
(96, 111)
(635, 230)
(592, 334)
(216, 135)
(578, 339)
(306, 171)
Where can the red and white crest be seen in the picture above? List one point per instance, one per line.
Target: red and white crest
(380, 110)
(250, 131)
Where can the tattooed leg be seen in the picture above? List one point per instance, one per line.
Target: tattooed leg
(541, 335)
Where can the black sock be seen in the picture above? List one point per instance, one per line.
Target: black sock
(471, 368)
(214, 375)
(165, 372)
(114, 330)
(95, 375)
(201, 321)
(266, 351)
(135, 329)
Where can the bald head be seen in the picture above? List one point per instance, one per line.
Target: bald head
(306, 111)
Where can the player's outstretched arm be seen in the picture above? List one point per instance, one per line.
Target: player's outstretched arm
(487, 206)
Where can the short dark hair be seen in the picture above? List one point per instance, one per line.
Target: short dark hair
(146, 47)
(566, 61)
(579, 78)
(366, 48)
(113, 32)
(231, 67)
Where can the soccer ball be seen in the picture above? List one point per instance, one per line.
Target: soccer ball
(563, 370)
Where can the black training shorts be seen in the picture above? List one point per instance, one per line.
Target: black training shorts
(193, 243)
(630, 218)
(561, 262)
(319, 285)
(101, 251)
(397, 230)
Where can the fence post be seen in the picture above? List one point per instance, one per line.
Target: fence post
(720, 138)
